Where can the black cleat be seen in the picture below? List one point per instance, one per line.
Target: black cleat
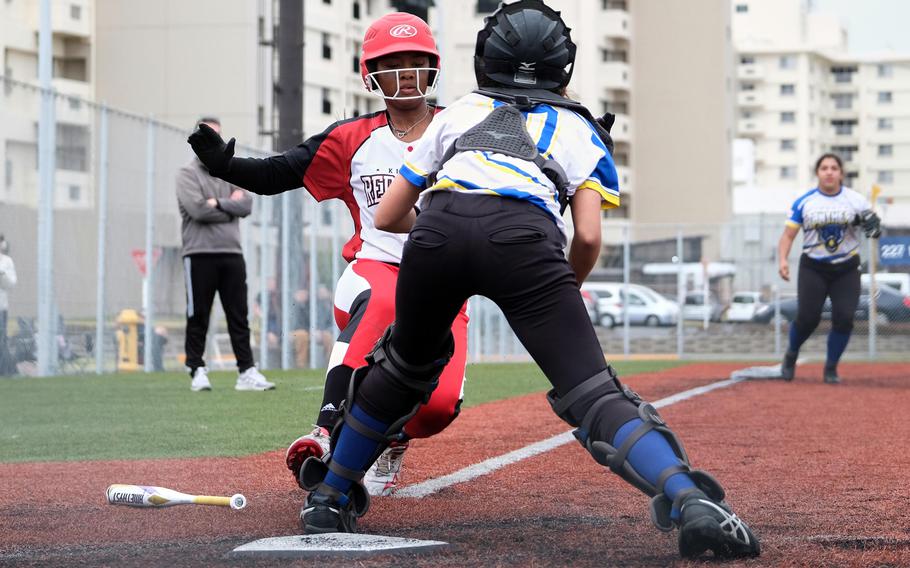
(831, 374)
(321, 515)
(709, 525)
(788, 366)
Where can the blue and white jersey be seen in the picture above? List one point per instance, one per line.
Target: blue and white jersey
(827, 222)
(559, 133)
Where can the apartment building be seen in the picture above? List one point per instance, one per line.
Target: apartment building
(73, 76)
(801, 93)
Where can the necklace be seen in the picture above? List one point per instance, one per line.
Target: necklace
(402, 133)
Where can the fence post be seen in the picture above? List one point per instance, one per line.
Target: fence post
(264, 299)
(314, 278)
(100, 287)
(775, 291)
(47, 131)
(873, 311)
(680, 294)
(148, 295)
(626, 273)
(284, 286)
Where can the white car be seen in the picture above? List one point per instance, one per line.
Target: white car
(744, 306)
(695, 307)
(644, 306)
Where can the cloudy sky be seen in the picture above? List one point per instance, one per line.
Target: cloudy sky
(872, 25)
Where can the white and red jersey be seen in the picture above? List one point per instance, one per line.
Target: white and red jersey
(355, 160)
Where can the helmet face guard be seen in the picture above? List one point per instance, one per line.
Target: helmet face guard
(395, 33)
(427, 76)
(526, 45)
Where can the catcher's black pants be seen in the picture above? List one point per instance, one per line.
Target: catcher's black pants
(206, 274)
(818, 280)
(511, 252)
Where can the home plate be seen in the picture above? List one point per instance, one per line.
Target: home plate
(334, 544)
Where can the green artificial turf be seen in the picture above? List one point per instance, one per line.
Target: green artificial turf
(140, 416)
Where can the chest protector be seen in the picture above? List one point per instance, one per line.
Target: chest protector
(504, 131)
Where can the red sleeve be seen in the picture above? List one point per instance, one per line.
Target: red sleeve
(323, 161)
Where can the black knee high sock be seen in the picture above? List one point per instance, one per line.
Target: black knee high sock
(336, 389)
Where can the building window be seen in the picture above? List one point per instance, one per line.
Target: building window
(8, 174)
(886, 124)
(485, 6)
(746, 114)
(885, 150)
(787, 117)
(787, 145)
(74, 191)
(845, 152)
(843, 74)
(72, 147)
(787, 172)
(609, 4)
(747, 86)
(843, 127)
(851, 178)
(885, 176)
(329, 2)
(747, 60)
(326, 46)
(787, 90)
(885, 70)
(326, 101)
(75, 11)
(607, 55)
(842, 101)
(885, 97)
(355, 8)
(742, 8)
(787, 62)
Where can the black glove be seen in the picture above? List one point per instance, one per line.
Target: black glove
(871, 223)
(606, 122)
(211, 149)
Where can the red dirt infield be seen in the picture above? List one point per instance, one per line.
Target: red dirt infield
(820, 472)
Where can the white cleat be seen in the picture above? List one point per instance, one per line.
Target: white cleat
(200, 380)
(382, 477)
(252, 380)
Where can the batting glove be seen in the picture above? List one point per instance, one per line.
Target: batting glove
(211, 149)
(871, 224)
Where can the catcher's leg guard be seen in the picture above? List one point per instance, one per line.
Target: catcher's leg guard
(610, 394)
(420, 380)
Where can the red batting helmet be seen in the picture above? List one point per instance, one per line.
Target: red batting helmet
(395, 33)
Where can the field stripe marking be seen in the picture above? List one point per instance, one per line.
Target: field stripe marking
(431, 486)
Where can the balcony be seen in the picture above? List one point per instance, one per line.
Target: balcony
(615, 24)
(748, 99)
(622, 128)
(749, 128)
(71, 18)
(615, 75)
(750, 72)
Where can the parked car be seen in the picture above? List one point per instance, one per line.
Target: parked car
(695, 307)
(645, 306)
(744, 306)
(892, 306)
(591, 300)
(607, 310)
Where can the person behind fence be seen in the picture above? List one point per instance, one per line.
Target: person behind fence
(498, 166)
(323, 330)
(832, 217)
(213, 262)
(7, 282)
(354, 160)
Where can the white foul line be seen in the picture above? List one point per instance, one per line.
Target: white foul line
(431, 486)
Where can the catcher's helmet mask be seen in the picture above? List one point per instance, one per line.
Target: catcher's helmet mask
(399, 33)
(525, 44)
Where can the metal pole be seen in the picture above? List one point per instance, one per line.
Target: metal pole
(777, 322)
(149, 292)
(47, 130)
(102, 240)
(285, 286)
(680, 294)
(626, 273)
(873, 301)
(336, 248)
(264, 299)
(314, 218)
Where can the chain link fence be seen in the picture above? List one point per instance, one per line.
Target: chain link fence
(116, 294)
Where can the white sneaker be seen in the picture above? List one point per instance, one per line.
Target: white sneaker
(382, 477)
(252, 380)
(200, 380)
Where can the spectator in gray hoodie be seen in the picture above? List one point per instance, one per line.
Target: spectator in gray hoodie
(213, 262)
